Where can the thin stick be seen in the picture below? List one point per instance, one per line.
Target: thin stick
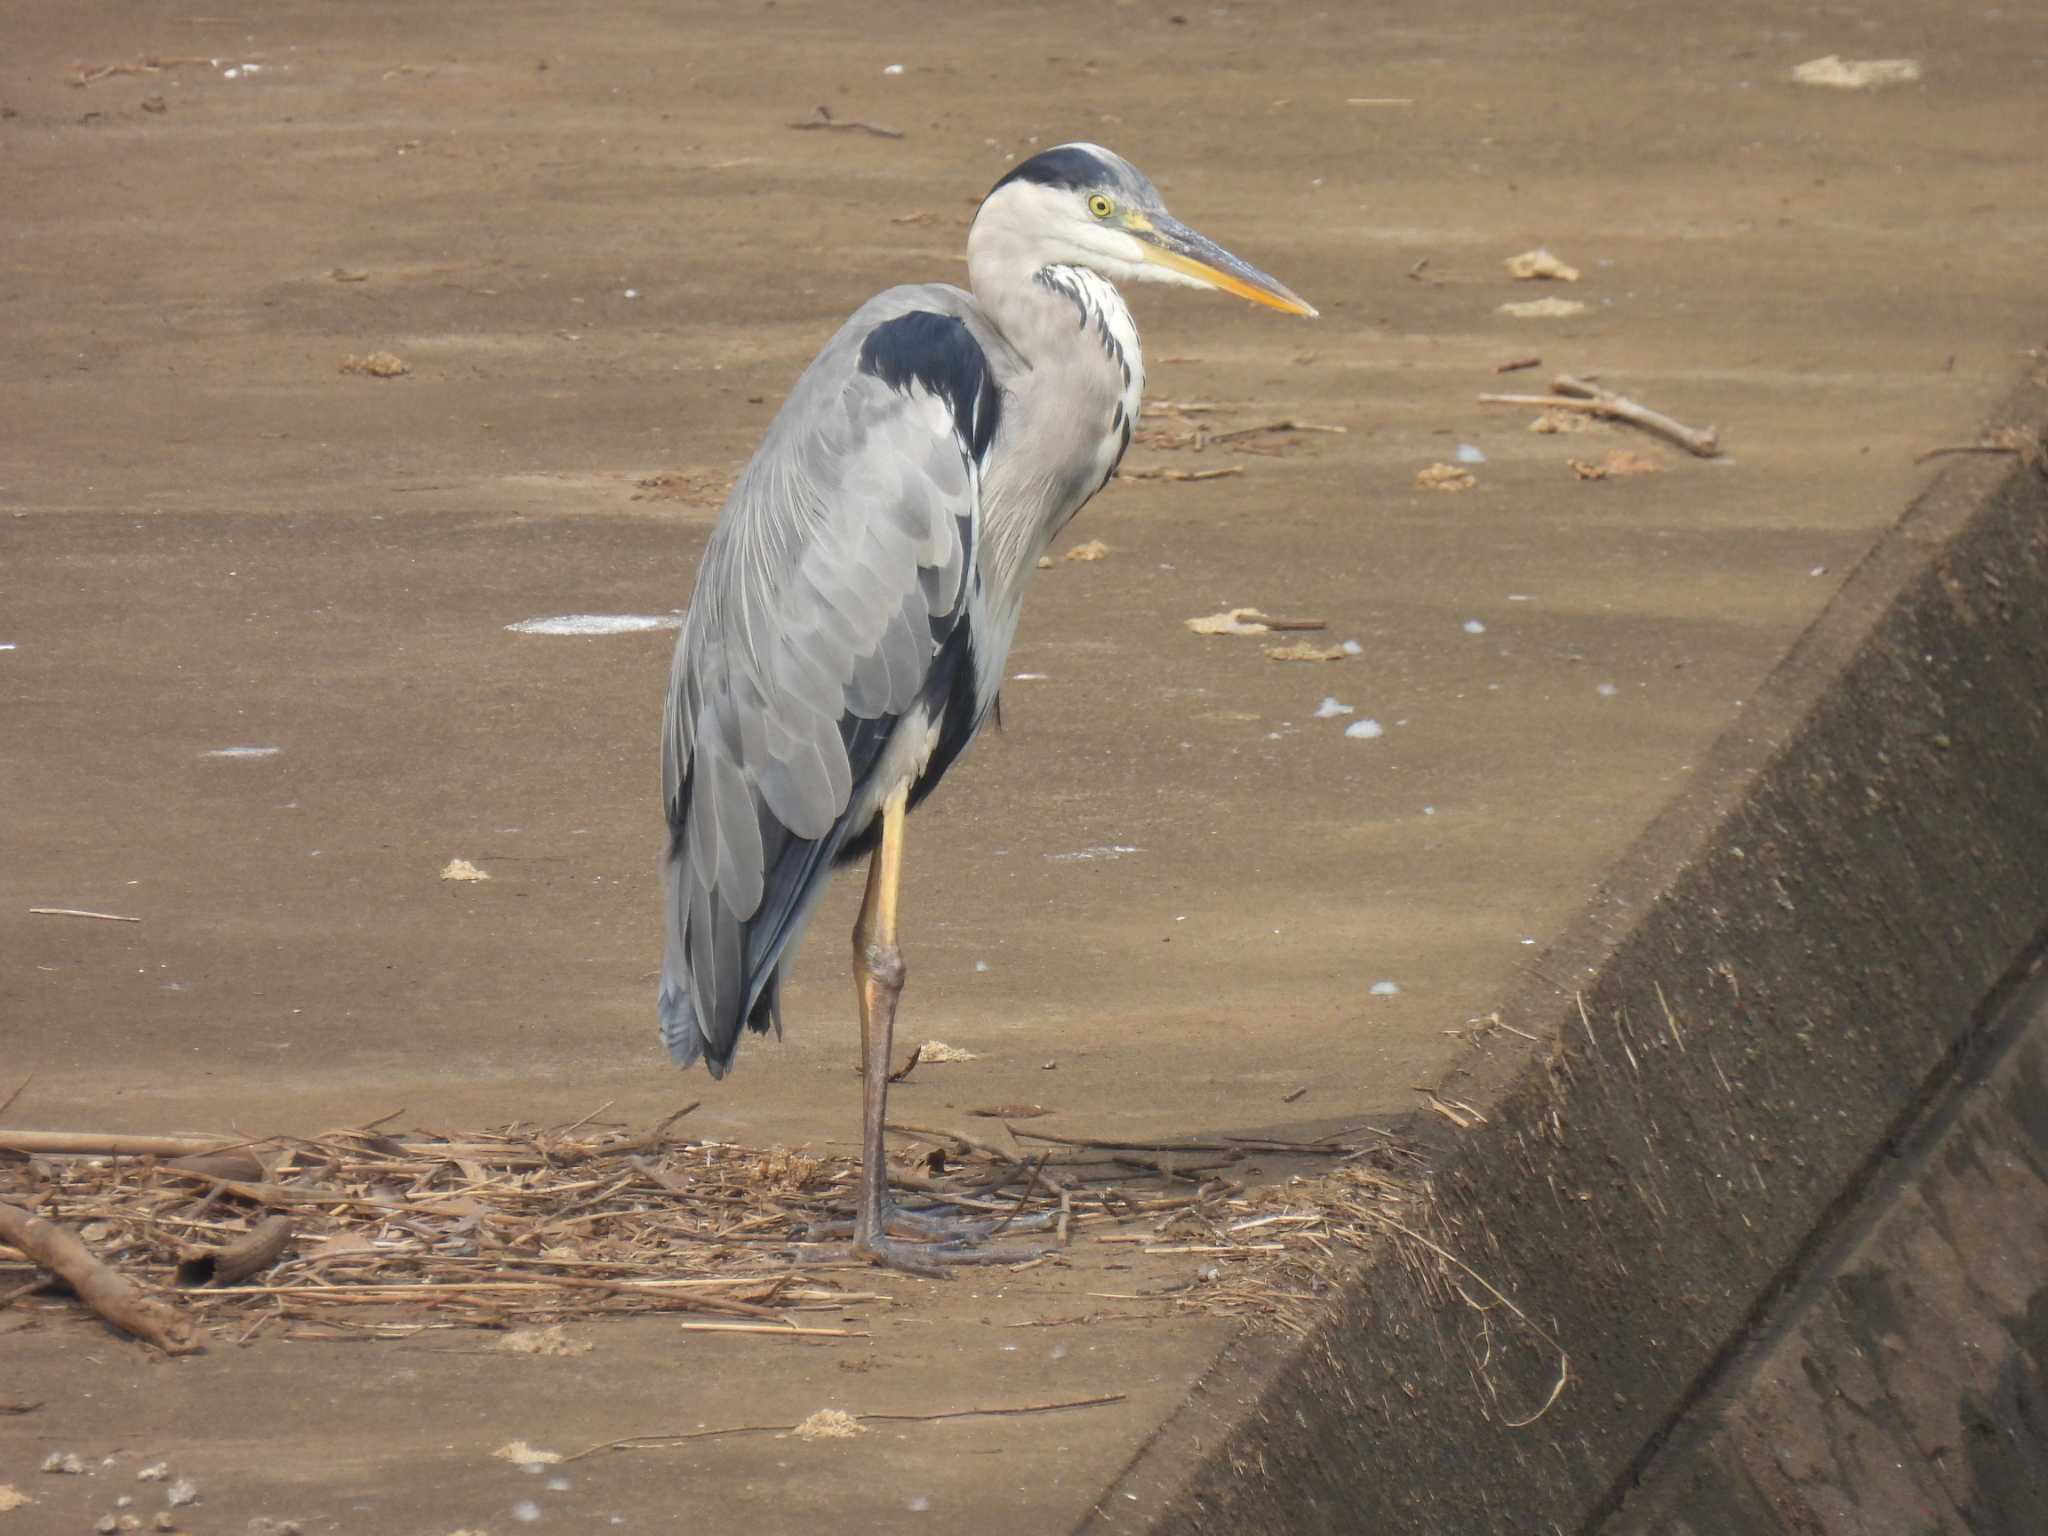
(568, 1154)
(790, 1329)
(105, 917)
(1936, 453)
(390, 1289)
(114, 1297)
(1157, 473)
(658, 1442)
(1120, 1146)
(825, 119)
(577, 1125)
(995, 1413)
(1570, 394)
(9, 1298)
(1273, 426)
(1024, 1197)
(8, 1103)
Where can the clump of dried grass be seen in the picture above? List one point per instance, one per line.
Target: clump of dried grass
(522, 1228)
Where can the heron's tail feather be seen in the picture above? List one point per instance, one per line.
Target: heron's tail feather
(679, 1023)
(684, 1030)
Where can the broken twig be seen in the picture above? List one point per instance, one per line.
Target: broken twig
(825, 119)
(1570, 394)
(255, 1251)
(2023, 442)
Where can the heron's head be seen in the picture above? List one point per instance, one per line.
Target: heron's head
(1080, 205)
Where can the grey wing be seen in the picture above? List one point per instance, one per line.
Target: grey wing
(832, 608)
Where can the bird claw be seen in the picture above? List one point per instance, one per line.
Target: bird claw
(934, 1261)
(940, 1241)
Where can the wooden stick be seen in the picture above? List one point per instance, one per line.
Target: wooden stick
(113, 1297)
(105, 917)
(99, 1144)
(1156, 473)
(791, 1330)
(1570, 394)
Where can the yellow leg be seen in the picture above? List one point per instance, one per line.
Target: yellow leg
(864, 928)
(878, 973)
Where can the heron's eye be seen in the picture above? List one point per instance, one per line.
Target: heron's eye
(1100, 206)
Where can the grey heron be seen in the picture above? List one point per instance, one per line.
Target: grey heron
(858, 596)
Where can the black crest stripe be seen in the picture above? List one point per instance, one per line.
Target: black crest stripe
(1066, 166)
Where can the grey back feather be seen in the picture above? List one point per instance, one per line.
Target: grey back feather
(840, 566)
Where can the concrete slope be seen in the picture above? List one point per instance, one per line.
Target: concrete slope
(1817, 943)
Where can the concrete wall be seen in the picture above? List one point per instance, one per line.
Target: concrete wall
(1793, 967)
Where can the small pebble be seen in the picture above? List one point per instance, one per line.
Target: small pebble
(1474, 627)
(155, 1472)
(1364, 730)
(65, 1462)
(106, 1525)
(184, 1491)
(526, 1510)
(1385, 988)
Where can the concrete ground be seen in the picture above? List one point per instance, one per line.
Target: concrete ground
(603, 253)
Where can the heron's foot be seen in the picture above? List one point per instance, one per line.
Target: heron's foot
(933, 1260)
(931, 1226)
(940, 1241)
